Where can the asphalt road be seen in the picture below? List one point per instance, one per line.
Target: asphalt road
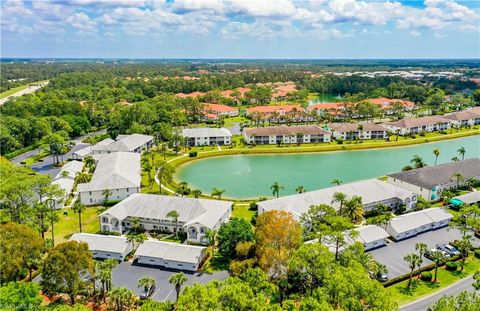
(28, 90)
(452, 290)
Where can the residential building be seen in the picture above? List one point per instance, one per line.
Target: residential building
(119, 172)
(105, 246)
(388, 103)
(125, 143)
(206, 136)
(190, 95)
(214, 111)
(196, 216)
(353, 131)
(412, 224)
(81, 153)
(332, 108)
(296, 134)
(372, 236)
(171, 255)
(430, 181)
(372, 192)
(416, 125)
(277, 111)
(464, 118)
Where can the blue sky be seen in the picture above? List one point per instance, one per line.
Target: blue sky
(241, 29)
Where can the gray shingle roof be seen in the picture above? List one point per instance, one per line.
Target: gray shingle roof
(371, 191)
(99, 242)
(469, 198)
(115, 171)
(190, 210)
(427, 177)
(170, 251)
(206, 132)
(462, 115)
(416, 122)
(285, 130)
(353, 127)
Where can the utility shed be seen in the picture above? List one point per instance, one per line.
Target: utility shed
(171, 255)
(105, 246)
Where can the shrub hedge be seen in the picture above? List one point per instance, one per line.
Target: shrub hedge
(426, 276)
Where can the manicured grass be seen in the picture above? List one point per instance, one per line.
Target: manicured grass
(419, 288)
(36, 158)
(12, 91)
(68, 224)
(242, 212)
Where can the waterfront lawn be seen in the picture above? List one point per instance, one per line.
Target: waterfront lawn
(68, 224)
(419, 288)
(243, 212)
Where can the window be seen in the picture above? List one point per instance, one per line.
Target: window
(127, 189)
(152, 260)
(108, 255)
(90, 192)
(90, 200)
(180, 265)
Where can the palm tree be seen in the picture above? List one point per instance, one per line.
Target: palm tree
(276, 187)
(436, 152)
(89, 162)
(353, 209)
(463, 246)
(174, 216)
(121, 298)
(178, 279)
(82, 178)
(107, 193)
(458, 178)
(455, 159)
(336, 182)
(413, 261)
(461, 151)
(64, 174)
(437, 258)
(79, 208)
(380, 269)
(147, 282)
(104, 274)
(418, 161)
(196, 193)
(339, 197)
(211, 235)
(217, 192)
(422, 249)
(136, 239)
(300, 189)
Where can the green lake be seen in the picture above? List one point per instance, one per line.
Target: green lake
(250, 176)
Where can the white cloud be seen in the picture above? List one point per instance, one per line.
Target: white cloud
(82, 22)
(415, 33)
(265, 8)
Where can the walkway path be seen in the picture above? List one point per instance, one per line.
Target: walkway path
(452, 290)
(28, 90)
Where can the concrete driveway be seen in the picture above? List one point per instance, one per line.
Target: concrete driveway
(392, 254)
(127, 274)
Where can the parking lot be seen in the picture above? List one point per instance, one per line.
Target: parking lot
(127, 274)
(392, 254)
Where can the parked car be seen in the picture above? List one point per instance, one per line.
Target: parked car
(449, 249)
(429, 254)
(147, 292)
(382, 277)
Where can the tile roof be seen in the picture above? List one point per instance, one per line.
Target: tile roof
(416, 122)
(115, 171)
(326, 106)
(371, 191)
(206, 132)
(388, 102)
(271, 109)
(285, 130)
(171, 251)
(190, 210)
(353, 127)
(219, 108)
(430, 176)
(100, 242)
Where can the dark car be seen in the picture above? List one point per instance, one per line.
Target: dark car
(147, 292)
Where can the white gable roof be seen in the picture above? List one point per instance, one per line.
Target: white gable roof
(371, 191)
(115, 171)
(72, 167)
(171, 251)
(371, 233)
(205, 212)
(99, 242)
(126, 143)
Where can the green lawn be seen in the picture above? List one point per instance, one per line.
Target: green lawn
(36, 158)
(68, 224)
(402, 295)
(242, 212)
(17, 89)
